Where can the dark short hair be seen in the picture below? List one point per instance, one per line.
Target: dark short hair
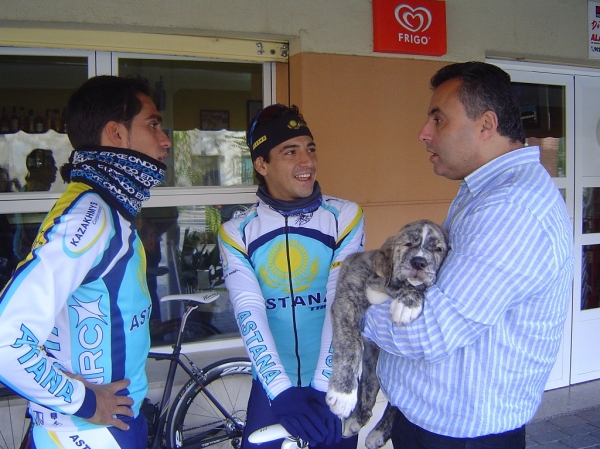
(262, 118)
(486, 87)
(40, 158)
(98, 101)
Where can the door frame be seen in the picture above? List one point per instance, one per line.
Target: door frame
(568, 369)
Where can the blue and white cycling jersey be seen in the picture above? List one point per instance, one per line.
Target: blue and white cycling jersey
(268, 259)
(85, 280)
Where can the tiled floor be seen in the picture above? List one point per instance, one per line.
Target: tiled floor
(575, 430)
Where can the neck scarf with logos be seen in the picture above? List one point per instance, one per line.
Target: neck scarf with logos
(122, 177)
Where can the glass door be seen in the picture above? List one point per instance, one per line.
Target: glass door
(586, 309)
(206, 108)
(547, 113)
(34, 88)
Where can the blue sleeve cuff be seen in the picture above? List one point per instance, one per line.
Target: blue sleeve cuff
(88, 408)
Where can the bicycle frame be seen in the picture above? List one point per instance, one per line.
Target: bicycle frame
(175, 361)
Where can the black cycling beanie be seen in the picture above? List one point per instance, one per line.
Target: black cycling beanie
(266, 137)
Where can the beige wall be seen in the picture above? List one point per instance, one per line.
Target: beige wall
(365, 114)
(545, 30)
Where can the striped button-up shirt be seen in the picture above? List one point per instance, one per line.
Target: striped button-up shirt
(476, 361)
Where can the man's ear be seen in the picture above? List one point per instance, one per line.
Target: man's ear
(260, 165)
(489, 123)
(113, 135)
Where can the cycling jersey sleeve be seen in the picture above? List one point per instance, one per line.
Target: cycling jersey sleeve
(71, 239)
(249, 309)
(350, 240)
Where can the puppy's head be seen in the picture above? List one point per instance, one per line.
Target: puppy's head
(414, 254)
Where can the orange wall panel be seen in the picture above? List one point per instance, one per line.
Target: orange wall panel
(365, 114)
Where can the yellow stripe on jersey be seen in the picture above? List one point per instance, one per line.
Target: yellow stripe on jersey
(229, 241)
(352, 225)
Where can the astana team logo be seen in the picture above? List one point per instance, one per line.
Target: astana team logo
(303, 268)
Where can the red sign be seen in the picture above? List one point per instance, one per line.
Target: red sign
(417, 27)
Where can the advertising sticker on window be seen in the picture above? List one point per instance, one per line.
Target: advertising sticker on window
(594, 29)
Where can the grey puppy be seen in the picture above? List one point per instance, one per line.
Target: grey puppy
(400, 270)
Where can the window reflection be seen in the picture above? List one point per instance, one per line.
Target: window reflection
(34, 91)
(591, 210)
(211, 158)
(206, 107)
(8, 259)
(543, 115)
(182, 256)
(590, 277)
(552, 154)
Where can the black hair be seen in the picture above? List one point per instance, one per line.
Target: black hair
(486, 87)
(40, 158)
(98, 101)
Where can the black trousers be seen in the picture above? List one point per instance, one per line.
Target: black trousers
(406, 435)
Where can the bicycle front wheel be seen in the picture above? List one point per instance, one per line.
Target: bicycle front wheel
(195, 421)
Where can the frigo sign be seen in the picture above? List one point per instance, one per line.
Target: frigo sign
(412, 27)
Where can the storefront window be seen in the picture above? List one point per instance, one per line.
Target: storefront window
(34, 91)
(591, 210)
(206, 107)
(182, 256)
(590, 278)
(543, 114)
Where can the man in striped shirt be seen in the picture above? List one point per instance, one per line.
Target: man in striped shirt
(470, 371)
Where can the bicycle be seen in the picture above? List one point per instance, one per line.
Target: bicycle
(210, 408)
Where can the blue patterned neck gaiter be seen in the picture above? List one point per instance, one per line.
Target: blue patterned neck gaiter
(300, 206)
(122, 177)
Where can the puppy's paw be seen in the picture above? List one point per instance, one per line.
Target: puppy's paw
(375, 439)
(403, 314)
(341, 404)
(350, 427)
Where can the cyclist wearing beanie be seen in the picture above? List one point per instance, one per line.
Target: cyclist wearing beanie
(281, 261)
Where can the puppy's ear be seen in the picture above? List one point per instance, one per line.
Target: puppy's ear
(383, 260)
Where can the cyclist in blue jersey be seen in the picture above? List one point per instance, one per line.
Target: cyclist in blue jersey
(281, 261)
(74, 317)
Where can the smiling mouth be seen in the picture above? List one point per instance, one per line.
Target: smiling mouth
(303, 177)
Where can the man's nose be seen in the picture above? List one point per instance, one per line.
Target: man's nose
(165, 142)
(306, 158)
(424, 134)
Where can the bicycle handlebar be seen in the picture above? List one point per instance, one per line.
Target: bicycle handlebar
(200, 297)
